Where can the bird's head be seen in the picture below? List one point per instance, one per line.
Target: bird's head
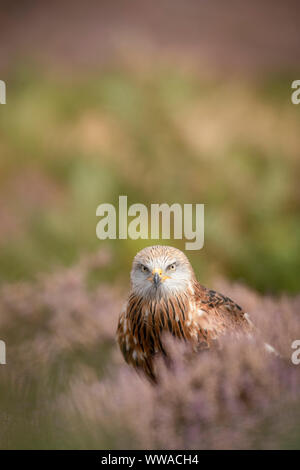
(160, 271)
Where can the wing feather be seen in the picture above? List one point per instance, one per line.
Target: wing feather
(219, 314)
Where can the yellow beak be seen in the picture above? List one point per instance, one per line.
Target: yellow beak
(157, 276)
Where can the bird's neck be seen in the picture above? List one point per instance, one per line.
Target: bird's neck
(170, 313)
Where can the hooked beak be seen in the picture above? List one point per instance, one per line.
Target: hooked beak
(157, 277)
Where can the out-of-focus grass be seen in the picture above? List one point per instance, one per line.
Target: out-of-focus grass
(68, 145)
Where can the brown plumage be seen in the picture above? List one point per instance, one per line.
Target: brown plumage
(166, 297)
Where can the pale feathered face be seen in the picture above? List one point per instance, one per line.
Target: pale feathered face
(160, 271)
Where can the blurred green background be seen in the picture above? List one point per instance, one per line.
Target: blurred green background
(68, 145)
(187, 103)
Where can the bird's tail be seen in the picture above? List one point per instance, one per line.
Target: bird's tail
(270, 349)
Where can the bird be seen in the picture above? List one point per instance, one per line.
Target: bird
(165, 297)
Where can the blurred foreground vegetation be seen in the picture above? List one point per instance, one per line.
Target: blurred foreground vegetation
(66, 385)
(69, 144)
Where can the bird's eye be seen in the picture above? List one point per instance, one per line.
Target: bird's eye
(144, 269)
(172, 267)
